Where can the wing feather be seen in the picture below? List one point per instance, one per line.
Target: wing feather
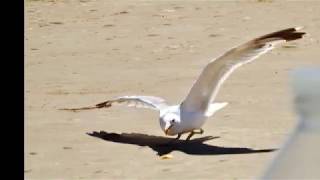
(205, 89)
(150, 102)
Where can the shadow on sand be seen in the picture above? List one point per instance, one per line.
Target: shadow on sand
(164, 145)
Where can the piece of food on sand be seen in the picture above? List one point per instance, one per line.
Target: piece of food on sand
(166, 156)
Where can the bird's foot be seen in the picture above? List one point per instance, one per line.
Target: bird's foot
(193, 132)
(199, 132)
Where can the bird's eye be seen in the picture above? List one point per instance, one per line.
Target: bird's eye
(172, 121)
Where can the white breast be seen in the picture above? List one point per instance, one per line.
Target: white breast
(192, 120)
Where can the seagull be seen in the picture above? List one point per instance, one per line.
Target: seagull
(190, 115)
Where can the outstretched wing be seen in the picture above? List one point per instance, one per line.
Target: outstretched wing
(150, 102)
(213, 75)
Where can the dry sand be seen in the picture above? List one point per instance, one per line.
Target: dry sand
(82, 52)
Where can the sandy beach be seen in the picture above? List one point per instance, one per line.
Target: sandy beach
(82, 52)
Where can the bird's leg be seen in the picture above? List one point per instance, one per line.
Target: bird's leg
(190, 135)
(178, 137)
(193, 132)
(200, 131)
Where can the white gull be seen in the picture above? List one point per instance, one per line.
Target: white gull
(190, 115)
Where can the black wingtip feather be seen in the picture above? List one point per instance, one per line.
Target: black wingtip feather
(103, 104)
(289, 34)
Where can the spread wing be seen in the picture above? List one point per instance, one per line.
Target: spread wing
(150, 102)
(213, 75)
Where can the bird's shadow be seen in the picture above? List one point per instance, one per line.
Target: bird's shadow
(164, 145)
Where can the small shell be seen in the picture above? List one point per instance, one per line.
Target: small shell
(166, 156)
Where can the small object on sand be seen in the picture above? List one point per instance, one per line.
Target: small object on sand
(166, 156)
(289, 46)
(121, 12)
(56, 22)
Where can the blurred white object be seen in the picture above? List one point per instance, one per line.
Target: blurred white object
(300, 156)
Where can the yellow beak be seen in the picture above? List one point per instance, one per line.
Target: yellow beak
(166, 131)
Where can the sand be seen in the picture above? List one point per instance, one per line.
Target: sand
(80, 53)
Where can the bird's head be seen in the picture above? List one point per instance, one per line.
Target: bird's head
(169, 123)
